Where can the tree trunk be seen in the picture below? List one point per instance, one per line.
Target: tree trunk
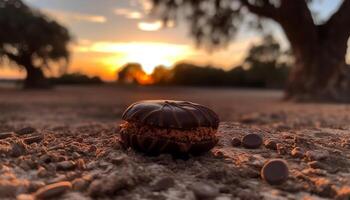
(35, 78)
(320, 72)
(319, 76)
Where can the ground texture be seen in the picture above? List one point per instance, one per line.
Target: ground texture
(69, 147)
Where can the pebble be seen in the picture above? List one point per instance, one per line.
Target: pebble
(6, 135)
(33, 139)
(18, 148)
(343, 193)
(236, 142)
(316, 155)
(275, 171)
(11, 186)
(252, 141)
(297, 152)
(80, 163)
(53, 190)
(65, 165)
(163, 184)
(25, 197)
(25, 131)
(248, 195)
(204, 191)
(80, 184)
(270, 144)
(324, 188)
(118, 160)
(315, 165)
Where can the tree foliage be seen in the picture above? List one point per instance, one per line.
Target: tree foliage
(31, 40)
(265, 66)
(132, 73)
(319, 47)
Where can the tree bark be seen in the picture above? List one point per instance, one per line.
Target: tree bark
(319, 72)
(35, 79)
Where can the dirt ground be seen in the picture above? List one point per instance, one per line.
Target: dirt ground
(71, 140)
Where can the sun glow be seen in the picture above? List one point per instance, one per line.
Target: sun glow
(148, 54)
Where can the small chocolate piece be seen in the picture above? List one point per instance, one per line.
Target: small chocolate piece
(236, 142)
(252, 141)
(275, 171)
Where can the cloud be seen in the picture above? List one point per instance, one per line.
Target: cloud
(67, 17)
(150, 26)
(128, 13)
(146, 5)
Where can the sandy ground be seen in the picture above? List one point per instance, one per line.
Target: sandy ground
(73, 142)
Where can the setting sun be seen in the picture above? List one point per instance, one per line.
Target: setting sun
(148, 54)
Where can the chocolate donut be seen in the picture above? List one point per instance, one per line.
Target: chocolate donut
(167, 126)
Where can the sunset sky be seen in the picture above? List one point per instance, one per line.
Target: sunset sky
(110, 33)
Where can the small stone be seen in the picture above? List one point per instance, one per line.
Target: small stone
(343, 193)
(297, 152)
(118, 160)
(25, 197)
(18, 148)
(315, 165)
(65, 165)
(275, 171)
(80, 163)
(76, 155)
(42, 172)
(204, 191)
(270, 144)
(6, 135)
(80, 184)
(252, 141)
(33, 139)
(163, 184)
(236, 142)
(25, 131)
(324, 188)
(53, 190)
(248, 195)
(316, 155)
(11, 186)
(35, 185)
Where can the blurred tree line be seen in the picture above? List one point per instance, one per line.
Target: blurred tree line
(265, 66)
(75, 79)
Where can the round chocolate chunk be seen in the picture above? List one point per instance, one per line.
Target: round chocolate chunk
(171, 114)
(275, 171)
(252, 141)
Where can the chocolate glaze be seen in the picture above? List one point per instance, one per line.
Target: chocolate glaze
(171, 114)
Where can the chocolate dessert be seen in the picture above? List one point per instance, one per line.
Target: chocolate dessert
(166, 126)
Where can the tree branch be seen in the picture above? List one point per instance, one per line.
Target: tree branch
(339, 22)
(266, 10)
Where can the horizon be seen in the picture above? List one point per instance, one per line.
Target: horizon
(101, 48)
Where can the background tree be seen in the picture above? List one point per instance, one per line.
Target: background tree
(132, 73)
(161, 75)
(32, 41)
(266, 64)
(320, 70)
